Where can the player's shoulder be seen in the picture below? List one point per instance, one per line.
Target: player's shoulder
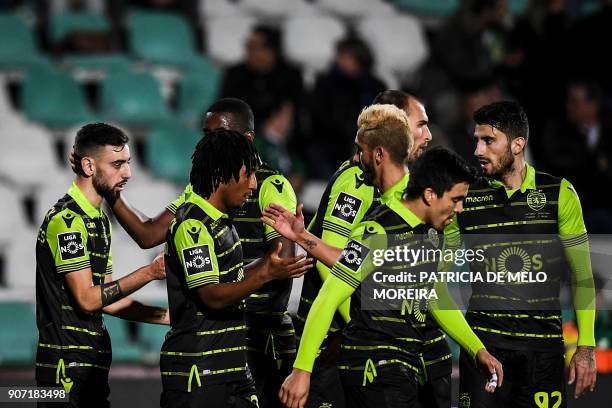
(63, 217)
(349, 178)
(547, 179)
(265, 171)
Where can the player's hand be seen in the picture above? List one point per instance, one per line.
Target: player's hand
(582, 370)
(285, 268)
(491, 368)
(294, 391)
(157, 268)
(284, 222)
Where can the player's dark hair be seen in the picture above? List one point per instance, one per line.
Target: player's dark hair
(218, 158)
(400, 99)
(439, 169)
(237, 107)
(507, 116)
(93, 136)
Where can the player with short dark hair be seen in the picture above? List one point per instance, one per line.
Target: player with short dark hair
(379, 361)
(528, 222)
(203, 359)
(74, 268)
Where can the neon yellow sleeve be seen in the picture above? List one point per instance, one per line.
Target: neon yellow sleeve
(195, 249)
(347, 204)
(451, 320)
(276, 190)
(333, 292)
(575, 240)
(67, 239)
(174, 205)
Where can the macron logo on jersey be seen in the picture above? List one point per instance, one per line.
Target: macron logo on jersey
(346, 207)
(70, 245)
(197, 260)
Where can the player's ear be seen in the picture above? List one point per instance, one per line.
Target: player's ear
(378, 154)
(429, 195)
(518, 145)
(88, 164)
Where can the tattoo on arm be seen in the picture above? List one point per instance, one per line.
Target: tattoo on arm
(585, 357)
(111, 292)
(310, 244)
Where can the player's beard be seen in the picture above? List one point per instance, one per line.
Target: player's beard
(104, 190)
(504, 167)
(368, 173)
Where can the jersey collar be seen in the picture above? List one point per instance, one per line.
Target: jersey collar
(208, 208)
(528, 182)
(75, 192)
(405, 213)
(396, 191)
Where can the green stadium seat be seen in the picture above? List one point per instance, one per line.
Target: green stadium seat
(198, 90)
(168, 151)
(17, 47)
(133, 99)
(153, 336)
(54, 98)
(161, 38)
(67, 23)
(124, 350)
(101, 62)
(19, 335)
(439, 8)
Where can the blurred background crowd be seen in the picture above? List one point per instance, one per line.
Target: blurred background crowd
(307, 68)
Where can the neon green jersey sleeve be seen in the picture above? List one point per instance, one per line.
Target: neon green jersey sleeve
(276, 190)
(173, 206)
(574, 238)
(451, 320)
(348, 202)
(333, 292)
(67, 240)
(196, 252)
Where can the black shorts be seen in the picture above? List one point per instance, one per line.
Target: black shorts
(89, 389)
(231, 395)
(269, 375)
(393, 388)
(435, 393)
(325, 388)
(532, 379)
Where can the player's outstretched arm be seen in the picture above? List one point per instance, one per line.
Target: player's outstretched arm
(258, 273)
(444, 310)
(93, 298)
(145, 231)
(291, 226)
(295, 388)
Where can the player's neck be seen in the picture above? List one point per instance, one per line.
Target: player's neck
(216, 201)
(417, 207)
(391, 176)
(88, 190)
(513, 179)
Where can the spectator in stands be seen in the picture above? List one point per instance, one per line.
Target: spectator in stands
(265, 76)
(587, 39)
(272, 143)
(461, 133)
(339, 95)
(537, 47)
(470, 43)
(579, 148)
